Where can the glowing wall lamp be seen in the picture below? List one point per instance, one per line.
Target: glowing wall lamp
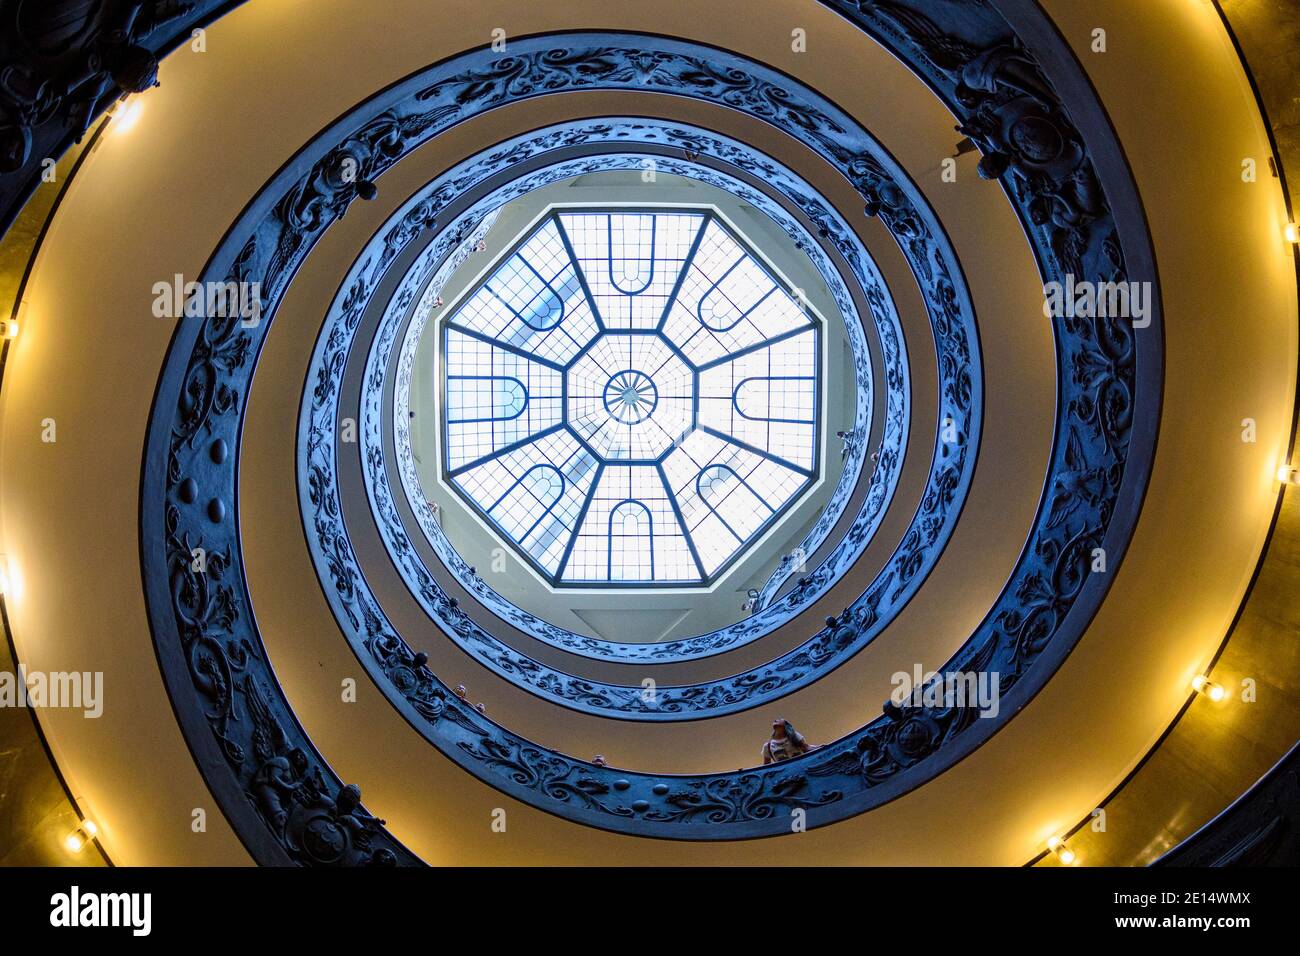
(1288, 474)
(12, 324)
(126, 113)
(78, 838)
(1208, 688)
(1292, 232)
(11, 579)
(1064, 854)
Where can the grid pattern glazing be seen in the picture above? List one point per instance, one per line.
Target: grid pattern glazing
(631, 397)
(766, 399)
(631, 261)
(494, 398)
(727, 494)
(631, 533)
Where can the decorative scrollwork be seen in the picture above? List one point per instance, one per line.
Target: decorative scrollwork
(64, 62)
(1036, 618)
(893, 439)
(954, 329)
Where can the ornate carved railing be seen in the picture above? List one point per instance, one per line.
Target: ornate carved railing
(64, 62)
(1064, 174)
(883, 480)
(741, 85)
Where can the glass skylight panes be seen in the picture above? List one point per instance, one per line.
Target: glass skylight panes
(534, 301)
(630, 397)
(728, 302)
(535, 494)
(726, 494)
(766, 398)
(631, 261)
(494, 398)
(630, 534)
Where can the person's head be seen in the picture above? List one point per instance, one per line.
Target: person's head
(782, 728)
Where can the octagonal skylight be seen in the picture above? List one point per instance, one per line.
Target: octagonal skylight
(630, 397)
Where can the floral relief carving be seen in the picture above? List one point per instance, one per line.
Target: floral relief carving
(319, 820)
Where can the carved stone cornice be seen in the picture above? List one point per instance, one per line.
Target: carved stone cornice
(626, 134)
(676, 140)
(64, 62)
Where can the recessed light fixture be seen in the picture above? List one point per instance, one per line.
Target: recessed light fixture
(78, 838)
(1208, 688)
(126, 114)
(1063, 853)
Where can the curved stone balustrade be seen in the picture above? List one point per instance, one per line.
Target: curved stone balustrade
(1060, 175)
(626, 133)
(951, 318)
(67, 61)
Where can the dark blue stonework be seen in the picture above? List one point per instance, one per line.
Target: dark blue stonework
(623, 134)
(1063, 172)
(952, 320)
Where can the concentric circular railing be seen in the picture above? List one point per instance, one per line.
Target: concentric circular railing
(951, 317)
(1039, 126)
(623, 133)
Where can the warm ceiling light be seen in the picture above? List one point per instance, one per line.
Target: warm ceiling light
(1063, 853)
(11, 579)
(78, 838)
(1288, 475)
(17, 319)
(125, 114)
(1208, 688)
(1292, 232)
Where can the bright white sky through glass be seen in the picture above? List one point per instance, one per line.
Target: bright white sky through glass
(630, 397)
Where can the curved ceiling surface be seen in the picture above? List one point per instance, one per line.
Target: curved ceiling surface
(743, 507)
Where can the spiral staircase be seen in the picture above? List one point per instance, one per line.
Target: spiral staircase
(353, 600)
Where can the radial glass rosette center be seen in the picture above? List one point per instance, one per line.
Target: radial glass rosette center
(631, 397)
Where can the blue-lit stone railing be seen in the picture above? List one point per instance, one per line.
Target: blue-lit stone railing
(1109, 386)
(952, 319)
(626, 134)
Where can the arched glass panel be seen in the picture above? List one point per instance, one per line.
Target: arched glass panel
(528, 501)
(485, 398)
(776, 398)
(631, 542)
(631, 252)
